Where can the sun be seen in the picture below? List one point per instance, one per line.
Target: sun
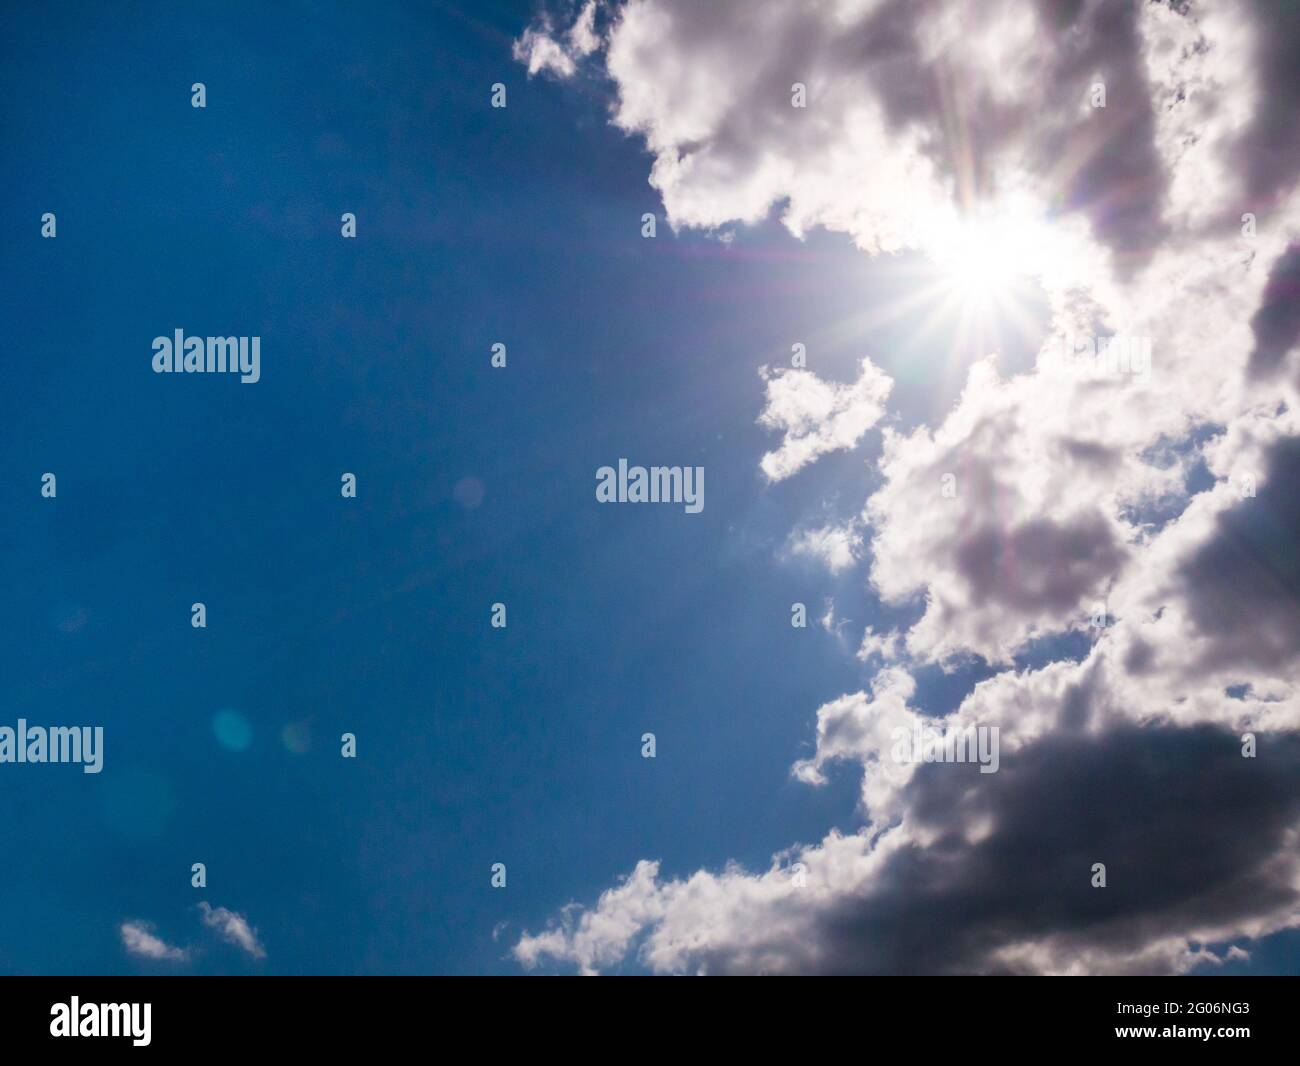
(973, 282)
(977, 283)
(988, 259)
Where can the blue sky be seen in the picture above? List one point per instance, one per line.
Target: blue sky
(475, 746)
(475, 485)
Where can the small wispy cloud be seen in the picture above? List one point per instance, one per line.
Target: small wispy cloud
(139, 939)
(838, 547)
(232, 928)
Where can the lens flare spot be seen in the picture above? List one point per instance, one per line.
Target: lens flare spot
(233, 730)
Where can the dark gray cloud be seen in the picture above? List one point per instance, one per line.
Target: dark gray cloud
(1276, 324)
(1121, 182)
(1269, 149)
(1189, 830)
(1040, 565)
(1244, 583)
(1105, 158)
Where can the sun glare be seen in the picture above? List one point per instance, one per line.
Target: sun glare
(985, 260)
(977, 284)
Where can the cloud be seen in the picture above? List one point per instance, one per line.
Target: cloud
(818, 417)
(600, 936)
(1241, 584)
(1269, 147)
(993, 874)
(709, 88)
(1009, 517)
(861, 728)
(836, 547)
(544, 51)
(583, 38)
(232, 928)
(139, 939)
(1161, 491)
(884, 646)
(1276, 324)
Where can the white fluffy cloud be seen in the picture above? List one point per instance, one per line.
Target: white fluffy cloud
(861, 727)
(233, 928)
(1169, 219)
(139, 939)
(818, 417)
